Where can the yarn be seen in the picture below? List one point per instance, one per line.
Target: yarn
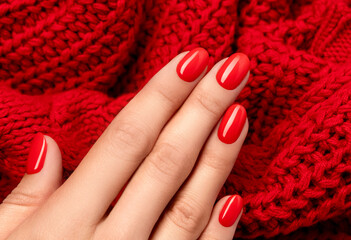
(68, 67)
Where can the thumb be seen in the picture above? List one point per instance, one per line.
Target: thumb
(43, 177)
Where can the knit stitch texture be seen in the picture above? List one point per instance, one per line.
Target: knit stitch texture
(68, 67)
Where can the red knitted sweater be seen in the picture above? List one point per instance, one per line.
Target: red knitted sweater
(68, 67)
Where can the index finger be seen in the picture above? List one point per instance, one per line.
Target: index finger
(129, 138)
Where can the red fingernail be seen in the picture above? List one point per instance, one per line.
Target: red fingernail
(233, 71)
(37, 154)
(193, 64)
(231, 210)
(232, 124)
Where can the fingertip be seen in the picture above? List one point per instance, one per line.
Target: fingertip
(44, 165)
(231, 211)
(224, 219)
(43, 177)
(193, 64)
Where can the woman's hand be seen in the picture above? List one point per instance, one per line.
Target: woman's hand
(166, 149)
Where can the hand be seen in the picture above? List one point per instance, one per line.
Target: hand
(168, 149)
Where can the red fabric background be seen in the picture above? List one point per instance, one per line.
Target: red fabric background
(68, 67)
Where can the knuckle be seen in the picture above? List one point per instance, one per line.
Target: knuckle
(129, 135)
(19, 197)
(172, 99)
(217, 162)
(188, 215)
(168, 162)
(210, 103)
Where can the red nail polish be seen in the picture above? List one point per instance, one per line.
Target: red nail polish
(193, 64)
(232, 124)
(37, 154)
(233, 71)
(231, 210)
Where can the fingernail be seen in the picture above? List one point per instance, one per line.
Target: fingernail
(193, 64)
(232, 124)
(37, 154)
(231, 210)
(233, 71)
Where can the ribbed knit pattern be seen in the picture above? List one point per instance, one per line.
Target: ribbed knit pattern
(68, 67)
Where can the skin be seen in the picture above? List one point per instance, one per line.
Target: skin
(165, 143)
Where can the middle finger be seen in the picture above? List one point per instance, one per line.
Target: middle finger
(176, 150)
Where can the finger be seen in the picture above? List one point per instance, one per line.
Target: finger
(127, 140)
(44, 176)
(167, 166)
(224, 219)
(190, 210)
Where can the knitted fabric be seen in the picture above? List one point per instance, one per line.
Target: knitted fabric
(68, 67)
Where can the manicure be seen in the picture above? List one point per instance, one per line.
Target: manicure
(233, 71)
(193, 64)
(231, 211)
(37, 154)
(232, 124)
